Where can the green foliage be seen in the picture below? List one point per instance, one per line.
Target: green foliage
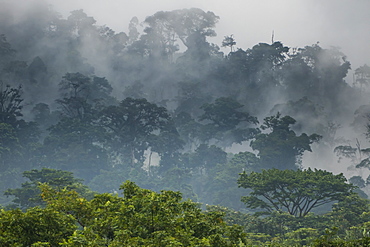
(225, 114)
(74, 144)
(132, 125)
(142, 217)
(301, 237)
(247, 160)
(356, 236)
(35, 226)
(227, 121)
(349, 211)
(281, 148)
(19, 146)
(81, 95)
(167, 144)
(220, 186)
(277, 229)
(313, 65)
(191, 131)
(206, 157)
(294, 191)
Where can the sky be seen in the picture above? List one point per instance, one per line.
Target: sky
(296, 23)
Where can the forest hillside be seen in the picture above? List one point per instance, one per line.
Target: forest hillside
(84, 108)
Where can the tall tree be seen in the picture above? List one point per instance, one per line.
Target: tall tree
(15, 129)
(10, 104)
(297, 192)
(83, 95)
(74, 142)
(318, 74)
(281, 147)
(254, 72)
(133, 124)
(76, 145)
(227, 122)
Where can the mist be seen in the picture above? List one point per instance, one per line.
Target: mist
(293, 58)
(340, 23)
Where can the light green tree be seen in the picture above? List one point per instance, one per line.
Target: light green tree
(141, 218)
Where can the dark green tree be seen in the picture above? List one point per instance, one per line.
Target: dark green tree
(294, 191)
(132, 125)
(75, 141)
(191, 131)
(206, 157)
(281, 147)
(20, 136)
(220, 186)
(76, 145)
(318, 74)
(254, 72)
(168, 144)
(191, 97)
(225, 114)
(82, 96)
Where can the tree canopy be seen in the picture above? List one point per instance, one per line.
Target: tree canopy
(141, 218)
(281, 148)
(294, 191)
(165, 107)
(134, 124)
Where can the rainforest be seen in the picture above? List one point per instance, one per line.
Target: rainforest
(159, 137)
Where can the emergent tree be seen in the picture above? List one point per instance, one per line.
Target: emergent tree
(297, 192)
